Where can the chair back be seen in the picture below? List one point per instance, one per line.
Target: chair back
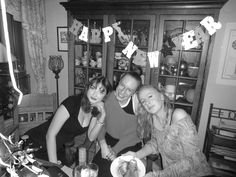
(35, 109)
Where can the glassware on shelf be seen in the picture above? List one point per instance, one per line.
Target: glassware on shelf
(98, 56)
(192, 71)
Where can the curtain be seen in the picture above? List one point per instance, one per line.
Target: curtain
(32, 15)
(34, 23)
(13, 7)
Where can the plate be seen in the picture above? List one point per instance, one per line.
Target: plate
(116, 163)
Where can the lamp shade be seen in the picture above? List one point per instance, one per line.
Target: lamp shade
(55, 63)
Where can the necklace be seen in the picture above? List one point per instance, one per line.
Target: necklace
(163, 120)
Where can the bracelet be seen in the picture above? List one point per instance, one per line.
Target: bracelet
(101, 123)
(59, 162)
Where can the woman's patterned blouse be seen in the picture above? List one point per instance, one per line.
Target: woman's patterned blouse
(178, 145)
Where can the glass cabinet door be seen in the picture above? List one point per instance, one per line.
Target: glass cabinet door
(88, 56)
(139, 30)
(181, 71)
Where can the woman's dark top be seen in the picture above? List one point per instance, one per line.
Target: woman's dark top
(69, 130)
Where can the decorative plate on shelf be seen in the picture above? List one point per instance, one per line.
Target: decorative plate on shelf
(119, 161)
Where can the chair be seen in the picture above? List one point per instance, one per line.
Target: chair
(220, 141)
(34, 110)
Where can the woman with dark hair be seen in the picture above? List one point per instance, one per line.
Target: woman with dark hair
(174, 137)
(76, 115)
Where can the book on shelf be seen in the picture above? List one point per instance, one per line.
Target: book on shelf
(230, 158)
(219, 164)
(224, 151)
(225, 131)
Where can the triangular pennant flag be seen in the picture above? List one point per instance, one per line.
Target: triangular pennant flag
(107, 31)
(75, 27)
(84, 34)
(153, 58)
(129, 50)
(210, 24)
(95, 36)
(140, 58)
(188, 41)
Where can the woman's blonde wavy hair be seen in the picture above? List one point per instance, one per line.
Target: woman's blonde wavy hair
(145, 122)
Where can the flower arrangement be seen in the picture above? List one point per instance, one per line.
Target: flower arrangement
(18, 162)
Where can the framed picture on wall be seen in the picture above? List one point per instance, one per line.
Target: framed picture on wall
(62, 38)
(227, 65)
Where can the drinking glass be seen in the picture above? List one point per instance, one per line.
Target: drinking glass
(89, 170)
(81, 171)
(93, 170)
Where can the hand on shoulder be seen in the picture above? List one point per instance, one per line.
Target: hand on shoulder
(178, 114)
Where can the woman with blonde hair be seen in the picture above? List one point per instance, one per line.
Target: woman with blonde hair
(173, 136)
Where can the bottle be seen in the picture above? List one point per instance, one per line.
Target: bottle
(82, 156)
(25, 144)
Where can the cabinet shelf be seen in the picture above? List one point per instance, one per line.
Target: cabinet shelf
(88, 43)
(190, 50)
(180, 77)
(87, 67)
(120, 70)
(123, 46)
(183, 104)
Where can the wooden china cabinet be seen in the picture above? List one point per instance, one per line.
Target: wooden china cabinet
(151, 25)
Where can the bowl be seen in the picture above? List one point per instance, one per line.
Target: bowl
(193, 71)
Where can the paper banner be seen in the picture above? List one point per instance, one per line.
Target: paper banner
(188, 41)
(129, 50)
(96, 36)
(107, 32)
(84, 34)
(153, 58)
(210, 24)
(200, 35)
(75, 27)
(140, 58)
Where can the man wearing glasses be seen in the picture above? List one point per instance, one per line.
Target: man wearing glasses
(119, 131)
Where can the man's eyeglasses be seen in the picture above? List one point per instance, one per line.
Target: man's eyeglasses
(124, 88)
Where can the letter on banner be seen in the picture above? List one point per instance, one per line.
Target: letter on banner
(211, 26)
(129, 50)
(96, 36)
(153, 58)
(84, 34)
(75, 27)
(200, 35)
(140, 58)
(107, 32)
(188, 41)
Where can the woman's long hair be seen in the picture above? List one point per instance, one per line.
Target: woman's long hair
(145, 119)
(86, 106)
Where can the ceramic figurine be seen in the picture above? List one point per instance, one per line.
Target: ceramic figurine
(99, 59)
(93, 63)
(123, 64)
(85, 59)
(77, 61)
